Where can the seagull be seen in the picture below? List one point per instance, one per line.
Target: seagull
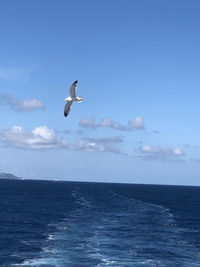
(70, 99)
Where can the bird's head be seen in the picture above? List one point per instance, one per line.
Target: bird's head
(79, 99)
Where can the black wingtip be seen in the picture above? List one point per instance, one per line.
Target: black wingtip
(75, 82)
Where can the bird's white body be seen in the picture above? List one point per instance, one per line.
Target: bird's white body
(70, 99)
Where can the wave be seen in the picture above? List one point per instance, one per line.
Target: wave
(115, 230)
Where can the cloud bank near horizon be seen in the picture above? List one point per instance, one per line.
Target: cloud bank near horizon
(43, 138)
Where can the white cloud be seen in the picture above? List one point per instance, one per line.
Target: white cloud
(99, 145)
(28, 105)
(89, 146)
(40, 138)
(21, 104)
(106, 140)
(137, 123)
(177, 151)
(108, 122)
(90, 123)
(160, 153)
(6, 99)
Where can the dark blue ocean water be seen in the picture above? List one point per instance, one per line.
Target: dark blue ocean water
(47, 224)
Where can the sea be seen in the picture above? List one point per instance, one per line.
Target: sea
(82, 224)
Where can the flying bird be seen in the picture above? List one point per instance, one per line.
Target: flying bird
(70, 99)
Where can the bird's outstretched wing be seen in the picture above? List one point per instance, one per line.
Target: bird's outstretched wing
(67, 108)
(72, 89)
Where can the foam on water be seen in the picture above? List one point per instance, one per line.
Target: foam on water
(112, 229)
(44, 262)
(87, 237)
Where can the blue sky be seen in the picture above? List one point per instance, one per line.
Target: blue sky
(137, 63)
